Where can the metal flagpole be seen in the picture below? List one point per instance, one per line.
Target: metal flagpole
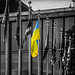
(29, 43)
(68, 57)
(60, 56)
(38, 59)
(29, 54)
(54, 45)
(0, 49)
(41, 70)
(65, 54)
(47, 65)
(7, 39)
(63, 41)
(19, 50)
(53, 69)
(38, 49)
(47, 43)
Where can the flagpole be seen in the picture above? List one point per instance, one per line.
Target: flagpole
(29, 54)
(7, 39)
(54, 45)
(38, 59)
(47, 64)
(19, 50)
(38, 49)
(29, 43)
(63, 40)
(41, 70)
(65, 53)
(69, 55)
(0, 50)
(60, 56)
(48, 43)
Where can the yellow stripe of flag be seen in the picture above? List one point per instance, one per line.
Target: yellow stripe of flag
(34, 40)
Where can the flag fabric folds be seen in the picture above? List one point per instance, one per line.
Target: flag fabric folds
(34, 40)
(67, 58)
(46, 45)
(54, 54)
(17, 30)
(36, 33)
(27, 32)
(68, 54)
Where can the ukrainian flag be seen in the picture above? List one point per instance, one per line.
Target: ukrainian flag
(34, 40)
